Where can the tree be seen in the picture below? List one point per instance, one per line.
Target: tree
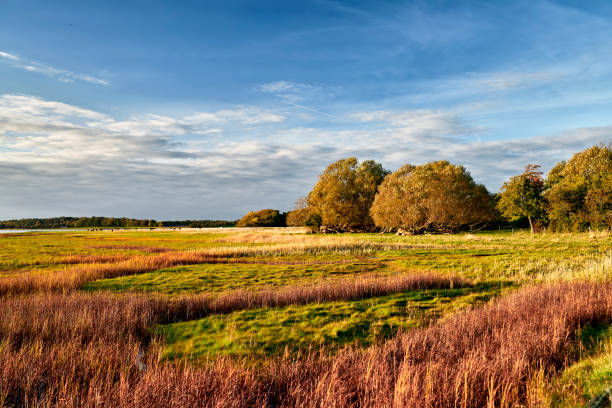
(344, 193)
(262, 218)
(300, 213)
(579, 191)
(437, 197)
(521, 196)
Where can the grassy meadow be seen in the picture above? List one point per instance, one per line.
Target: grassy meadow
(278, 317)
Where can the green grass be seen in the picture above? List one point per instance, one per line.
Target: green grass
(41, 250)
(214, 278)
(591, 375)
(259, 333)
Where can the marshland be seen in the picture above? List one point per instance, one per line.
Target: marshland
(281, 317)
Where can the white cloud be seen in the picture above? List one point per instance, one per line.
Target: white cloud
(247, 115)
(8, 56)
(59, 74)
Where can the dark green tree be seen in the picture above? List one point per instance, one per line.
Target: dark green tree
(262, 218)
(522, 196)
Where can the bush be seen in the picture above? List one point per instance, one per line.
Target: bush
(262, 218)
(313, 222)
(435, 197)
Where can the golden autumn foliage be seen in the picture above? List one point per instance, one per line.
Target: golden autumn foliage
(579, 191)
(345, 192)
(436, 197)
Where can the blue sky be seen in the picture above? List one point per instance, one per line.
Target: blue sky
(175, 110)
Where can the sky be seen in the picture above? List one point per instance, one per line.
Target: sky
(209, 109)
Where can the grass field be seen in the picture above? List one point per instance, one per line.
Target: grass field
(242, 317)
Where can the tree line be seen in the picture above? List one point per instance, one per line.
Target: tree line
(107, 222)
(442, 197)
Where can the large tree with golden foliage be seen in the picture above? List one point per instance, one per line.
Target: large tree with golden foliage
(436, 197)
(579, 191)
(344, 193)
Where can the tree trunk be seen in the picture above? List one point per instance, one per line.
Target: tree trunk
(530, 224)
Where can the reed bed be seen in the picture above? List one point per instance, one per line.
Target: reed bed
(73, 278)
(341, 290)
(497, 355)
(142, 248)
(84, 317)
(91, 259)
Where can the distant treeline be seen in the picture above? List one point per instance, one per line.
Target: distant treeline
(107, 222)
(199, 223)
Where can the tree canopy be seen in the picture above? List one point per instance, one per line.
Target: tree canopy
(579, 191)
(522, 196)
(437, 197)
(345, 192)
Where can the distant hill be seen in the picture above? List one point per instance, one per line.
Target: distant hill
(107, 222)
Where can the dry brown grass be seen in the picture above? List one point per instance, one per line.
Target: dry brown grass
(305, 245)
(74, 277)
(88, 350)
(347, 289)
(134, 248)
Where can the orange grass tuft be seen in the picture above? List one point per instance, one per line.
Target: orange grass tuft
(74, 277)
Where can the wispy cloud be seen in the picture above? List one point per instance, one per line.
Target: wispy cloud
(418, 120)
(290, 91)
(59, 74)
(505, 81)
(294, 93)
(9, 56)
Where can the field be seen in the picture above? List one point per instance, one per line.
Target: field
(278, 317)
